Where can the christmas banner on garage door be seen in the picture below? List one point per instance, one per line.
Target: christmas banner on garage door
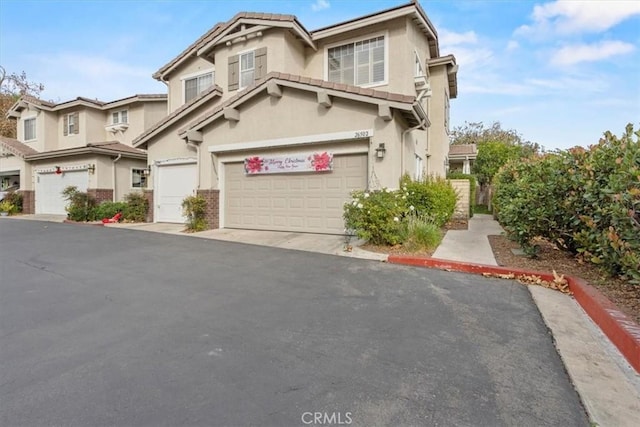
(310, 162)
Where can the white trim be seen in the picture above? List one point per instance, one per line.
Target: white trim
(193, 75)
(240, 54)
(119, 113)
(175, 161)
(298, 140)
(353, 41)
(35, 128)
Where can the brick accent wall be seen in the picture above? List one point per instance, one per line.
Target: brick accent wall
(101, 194)
(463, 188)
(28, 201)
(148, 194)
(213, 207)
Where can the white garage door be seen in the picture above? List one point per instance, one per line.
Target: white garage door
(305, 202)
(49, 186)
(175, 182)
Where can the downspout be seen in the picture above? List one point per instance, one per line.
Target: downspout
(404, 133)
(113, 175)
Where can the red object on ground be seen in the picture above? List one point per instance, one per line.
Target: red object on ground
(116, 218)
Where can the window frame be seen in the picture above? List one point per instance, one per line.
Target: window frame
(353, 41)
(35, 129)
(119, 114)
(196, 75)
(420, 169)
(143, 178)
(240, 70)
(70, 131)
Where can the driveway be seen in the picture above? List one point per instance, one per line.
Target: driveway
(126, 328)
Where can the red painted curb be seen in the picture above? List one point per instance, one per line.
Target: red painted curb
(68, 221)
(623, 332)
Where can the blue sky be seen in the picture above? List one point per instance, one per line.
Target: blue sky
(559, 72)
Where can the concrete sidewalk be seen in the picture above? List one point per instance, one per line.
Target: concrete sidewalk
(608, 386)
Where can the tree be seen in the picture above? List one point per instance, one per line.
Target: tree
(476, 133)
(492, 156)
(12, 87)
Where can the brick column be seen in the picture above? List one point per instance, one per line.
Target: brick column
(28, 201)
(148, 194)
(213, 207)
(101, 194)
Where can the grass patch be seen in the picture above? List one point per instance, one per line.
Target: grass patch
(481, 209)
(422, 234)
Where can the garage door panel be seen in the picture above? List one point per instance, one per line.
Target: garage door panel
(49, 187)
(306, 202)
(175, 182)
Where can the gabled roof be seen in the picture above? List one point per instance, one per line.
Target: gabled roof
(406, 104)
(24, 100)
(217, 34)
(110, 148)
(16, 147)
(176, 115)
(463, 150)
(411, 9)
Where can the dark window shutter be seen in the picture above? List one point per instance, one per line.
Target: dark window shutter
(261, 63)
(65, 125)
(76, 122)
(234, 72)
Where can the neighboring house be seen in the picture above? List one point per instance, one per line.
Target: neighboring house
(82, 142)
(275, 125)
(462, 157)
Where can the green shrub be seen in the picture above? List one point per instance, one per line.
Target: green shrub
(15, 199)
(375, 216)
(472, 188)
(81, 205)
(6, 206)
(422, 234)
(137, 207)
(109, 209)
(431, 197)
(195, 209)
(586, 201)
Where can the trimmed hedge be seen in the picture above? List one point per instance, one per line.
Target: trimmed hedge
(585, 200)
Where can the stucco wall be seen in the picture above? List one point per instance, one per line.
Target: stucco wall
(438, 136)
(190, 66)
(123, 177)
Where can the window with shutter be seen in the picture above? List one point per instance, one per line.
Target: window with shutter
(359, 63)
(71, 124)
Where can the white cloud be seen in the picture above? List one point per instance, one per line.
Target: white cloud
(320, 5)
(451, 38)
(568, 17)
(512, 45)
(574, 54)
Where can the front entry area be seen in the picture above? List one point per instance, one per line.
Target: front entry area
(174, 183)
(302, 202)
(49, 187)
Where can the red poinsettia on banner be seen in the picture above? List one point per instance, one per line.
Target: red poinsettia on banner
(322, 161)
(253, 165)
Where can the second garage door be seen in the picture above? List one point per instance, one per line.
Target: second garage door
(303, 202)
(175, 182)
(49, 187)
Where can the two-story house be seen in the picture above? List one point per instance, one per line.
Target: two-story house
(82, 142)
(275, 125)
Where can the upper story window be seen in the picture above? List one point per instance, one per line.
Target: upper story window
(30, 129)
(120, 117)
(359, 63)
(195, 85)
(247, 67)
(71, 124)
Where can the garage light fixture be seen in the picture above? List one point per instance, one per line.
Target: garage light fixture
(91, 169)
(147, 171)
(380, 151)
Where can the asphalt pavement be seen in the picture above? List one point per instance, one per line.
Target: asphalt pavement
(117, 327)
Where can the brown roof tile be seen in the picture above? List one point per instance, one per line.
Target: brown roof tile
(116, 146)
(16, 147)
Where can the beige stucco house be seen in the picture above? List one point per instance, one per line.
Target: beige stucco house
(275, 125)
(82, 142)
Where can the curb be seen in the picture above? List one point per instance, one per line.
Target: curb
(623, 332)
(68, 221)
